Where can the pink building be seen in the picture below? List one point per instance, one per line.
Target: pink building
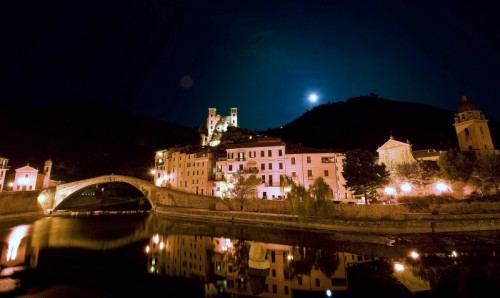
(27, 178)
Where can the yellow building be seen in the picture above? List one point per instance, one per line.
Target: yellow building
(393, 152)
(472, 128)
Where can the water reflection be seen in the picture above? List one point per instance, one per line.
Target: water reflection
(153, 256)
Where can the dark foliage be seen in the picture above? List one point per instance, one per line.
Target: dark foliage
(87, 140)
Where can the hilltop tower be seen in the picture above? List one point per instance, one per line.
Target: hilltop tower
(217, 125)
(472, 128)
(234, 117)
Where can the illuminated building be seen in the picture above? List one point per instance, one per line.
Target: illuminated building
(28, 178)
(472, 128)
(264, 157)
(393, 153)
(185, 169)
(217, 125)
(304, 165)
(205, 170)
(3, 171)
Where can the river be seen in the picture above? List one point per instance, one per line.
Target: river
(150, 255)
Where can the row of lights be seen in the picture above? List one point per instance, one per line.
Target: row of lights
(406, 187)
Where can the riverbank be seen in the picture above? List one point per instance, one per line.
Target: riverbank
(380, 219)
(411, 223)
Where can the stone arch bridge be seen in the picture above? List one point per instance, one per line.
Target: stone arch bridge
(50, 199)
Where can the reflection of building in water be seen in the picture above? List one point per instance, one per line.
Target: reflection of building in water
(291, 269)
(182, 256)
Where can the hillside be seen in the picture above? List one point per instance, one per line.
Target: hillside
(86, 140)
(91, 139)
(367, 122)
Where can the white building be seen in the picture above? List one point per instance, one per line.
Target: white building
(217, 125)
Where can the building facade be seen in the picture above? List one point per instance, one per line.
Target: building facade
(3, 171)
(27, 178)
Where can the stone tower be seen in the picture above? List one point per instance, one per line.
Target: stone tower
(472, 128)
(234, 117)
(47, 170)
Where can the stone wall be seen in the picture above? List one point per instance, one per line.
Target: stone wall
(12, 202)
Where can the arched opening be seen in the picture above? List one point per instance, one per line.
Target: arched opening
(111, 196)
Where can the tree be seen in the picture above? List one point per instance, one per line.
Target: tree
(362, 174)
(420, 174)
(321, 190)
(456, 165)
(241, 185)
(486, 173)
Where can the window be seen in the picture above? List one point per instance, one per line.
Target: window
(241, 167)
(299, 280)
(252, 154)
(261, 153)
(326, 173)
(269, 153)
(317, 282)
(294, 174)
(274, 272)
(286, 290)
(309, 174)
(271, 180)
(280, 152)
(273, 257)
(230, 155)
(293, 160)
(308, 159)
(241, 155)
(262, 166)
(263, 178)
(275, 289)
(270, 166)
(219, 168)
(281, 166)
(230, 168)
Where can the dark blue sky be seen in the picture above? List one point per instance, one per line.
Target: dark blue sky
(175, 59)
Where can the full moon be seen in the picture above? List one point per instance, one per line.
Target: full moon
(313, 97)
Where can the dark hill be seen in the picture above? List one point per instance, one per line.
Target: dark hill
(367, 122)
(87, 140)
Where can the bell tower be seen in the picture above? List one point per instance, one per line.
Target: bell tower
(472, 128)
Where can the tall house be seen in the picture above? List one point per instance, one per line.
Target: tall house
(264, 157)
(3, 171)
(472, 128)
(217, 125)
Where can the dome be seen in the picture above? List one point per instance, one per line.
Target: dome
(466, 105)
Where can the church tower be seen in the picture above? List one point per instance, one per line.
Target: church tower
(47, 171)
(472, 128)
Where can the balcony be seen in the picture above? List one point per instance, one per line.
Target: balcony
(240, 159)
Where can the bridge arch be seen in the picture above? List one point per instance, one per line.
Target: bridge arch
(64, 191)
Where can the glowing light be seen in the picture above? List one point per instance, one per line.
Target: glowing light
(329, 293)
(414, 255)
(454, 254)
(14, 240)
(24, 181)
(162, 245)
(390, 190)
(288, 188)
(159, 181)
(156, 238)
(442, 187)
(11, 184)
(399, 267)
(313, 97)
(147, 249)
(406, 187)
(289, 257)
(153, 172)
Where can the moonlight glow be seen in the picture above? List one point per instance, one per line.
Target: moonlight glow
(313, 97)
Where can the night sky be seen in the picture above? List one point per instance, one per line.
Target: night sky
(174, 59)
